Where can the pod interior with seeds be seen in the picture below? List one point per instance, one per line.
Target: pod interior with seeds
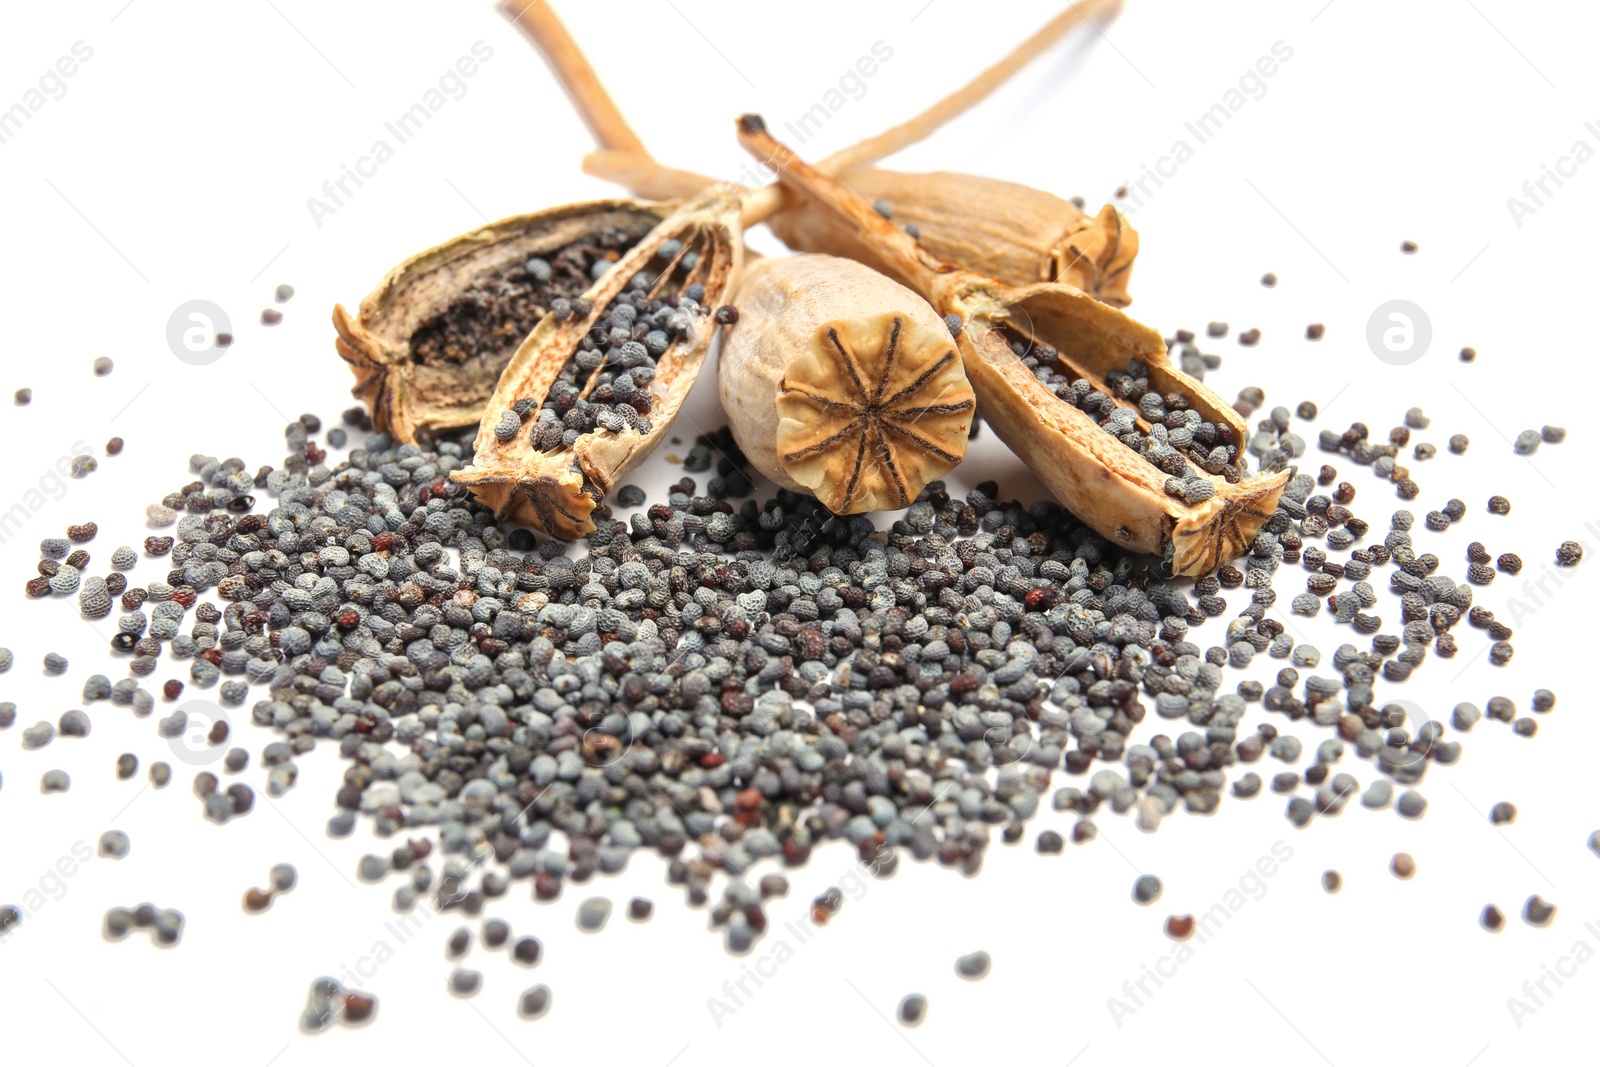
(842, 383)
(428, 344)
(1020, 344)
(590, 392)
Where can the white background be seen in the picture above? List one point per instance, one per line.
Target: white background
(178, 165)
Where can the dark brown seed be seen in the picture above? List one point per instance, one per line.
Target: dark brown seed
(1268, 280)
(1403, 866)
(1180, 927)
(1314, 331)
(1408, 247)
(1499, 505)
(1250, 337)
(114, 447)
(1538, 911)
(1510, 562)
(1331, 881)
(257, 900)
(1491, 919)
(1503, 813)
(271, 317)
(1467, 356)
(359, 1007)
(80, 534)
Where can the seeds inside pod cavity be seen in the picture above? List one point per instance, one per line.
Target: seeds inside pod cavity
(428, 344)
(1104, 480)
(563, 364)
(839, 382)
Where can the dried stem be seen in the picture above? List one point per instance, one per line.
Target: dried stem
(599, 111)
(634, 169)
(909, 133)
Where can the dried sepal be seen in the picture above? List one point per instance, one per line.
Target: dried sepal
(1012, 233)
(557, 490)
(408, 393)
(1107, 485)
(841, 383)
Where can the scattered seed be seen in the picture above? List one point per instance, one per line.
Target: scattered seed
(1332, 882)
(973, 966)
(913, 1009)
(593, 913)
(465, 983)
(1180, 927)
(1491, 919)
(534, 1002)
(1537, 911)
(102, 366)
(1402, 865)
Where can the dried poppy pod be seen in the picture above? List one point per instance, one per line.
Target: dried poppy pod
(560, 428)
(428, 344)
(1012, 335)
(841, 383)
(1010, 232)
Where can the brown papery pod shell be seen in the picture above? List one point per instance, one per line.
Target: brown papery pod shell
(1012, 233)
(841, 383)
(1106, 484)
(408, 393)
(557, 491)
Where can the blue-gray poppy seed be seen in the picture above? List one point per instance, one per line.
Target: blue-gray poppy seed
(913, 1009)
(283, 877)
(973, 966)
(1146, 889)
(593, 913)
(534, 1002)
(113, 844)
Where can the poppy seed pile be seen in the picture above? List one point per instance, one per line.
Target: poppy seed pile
(726, 681)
